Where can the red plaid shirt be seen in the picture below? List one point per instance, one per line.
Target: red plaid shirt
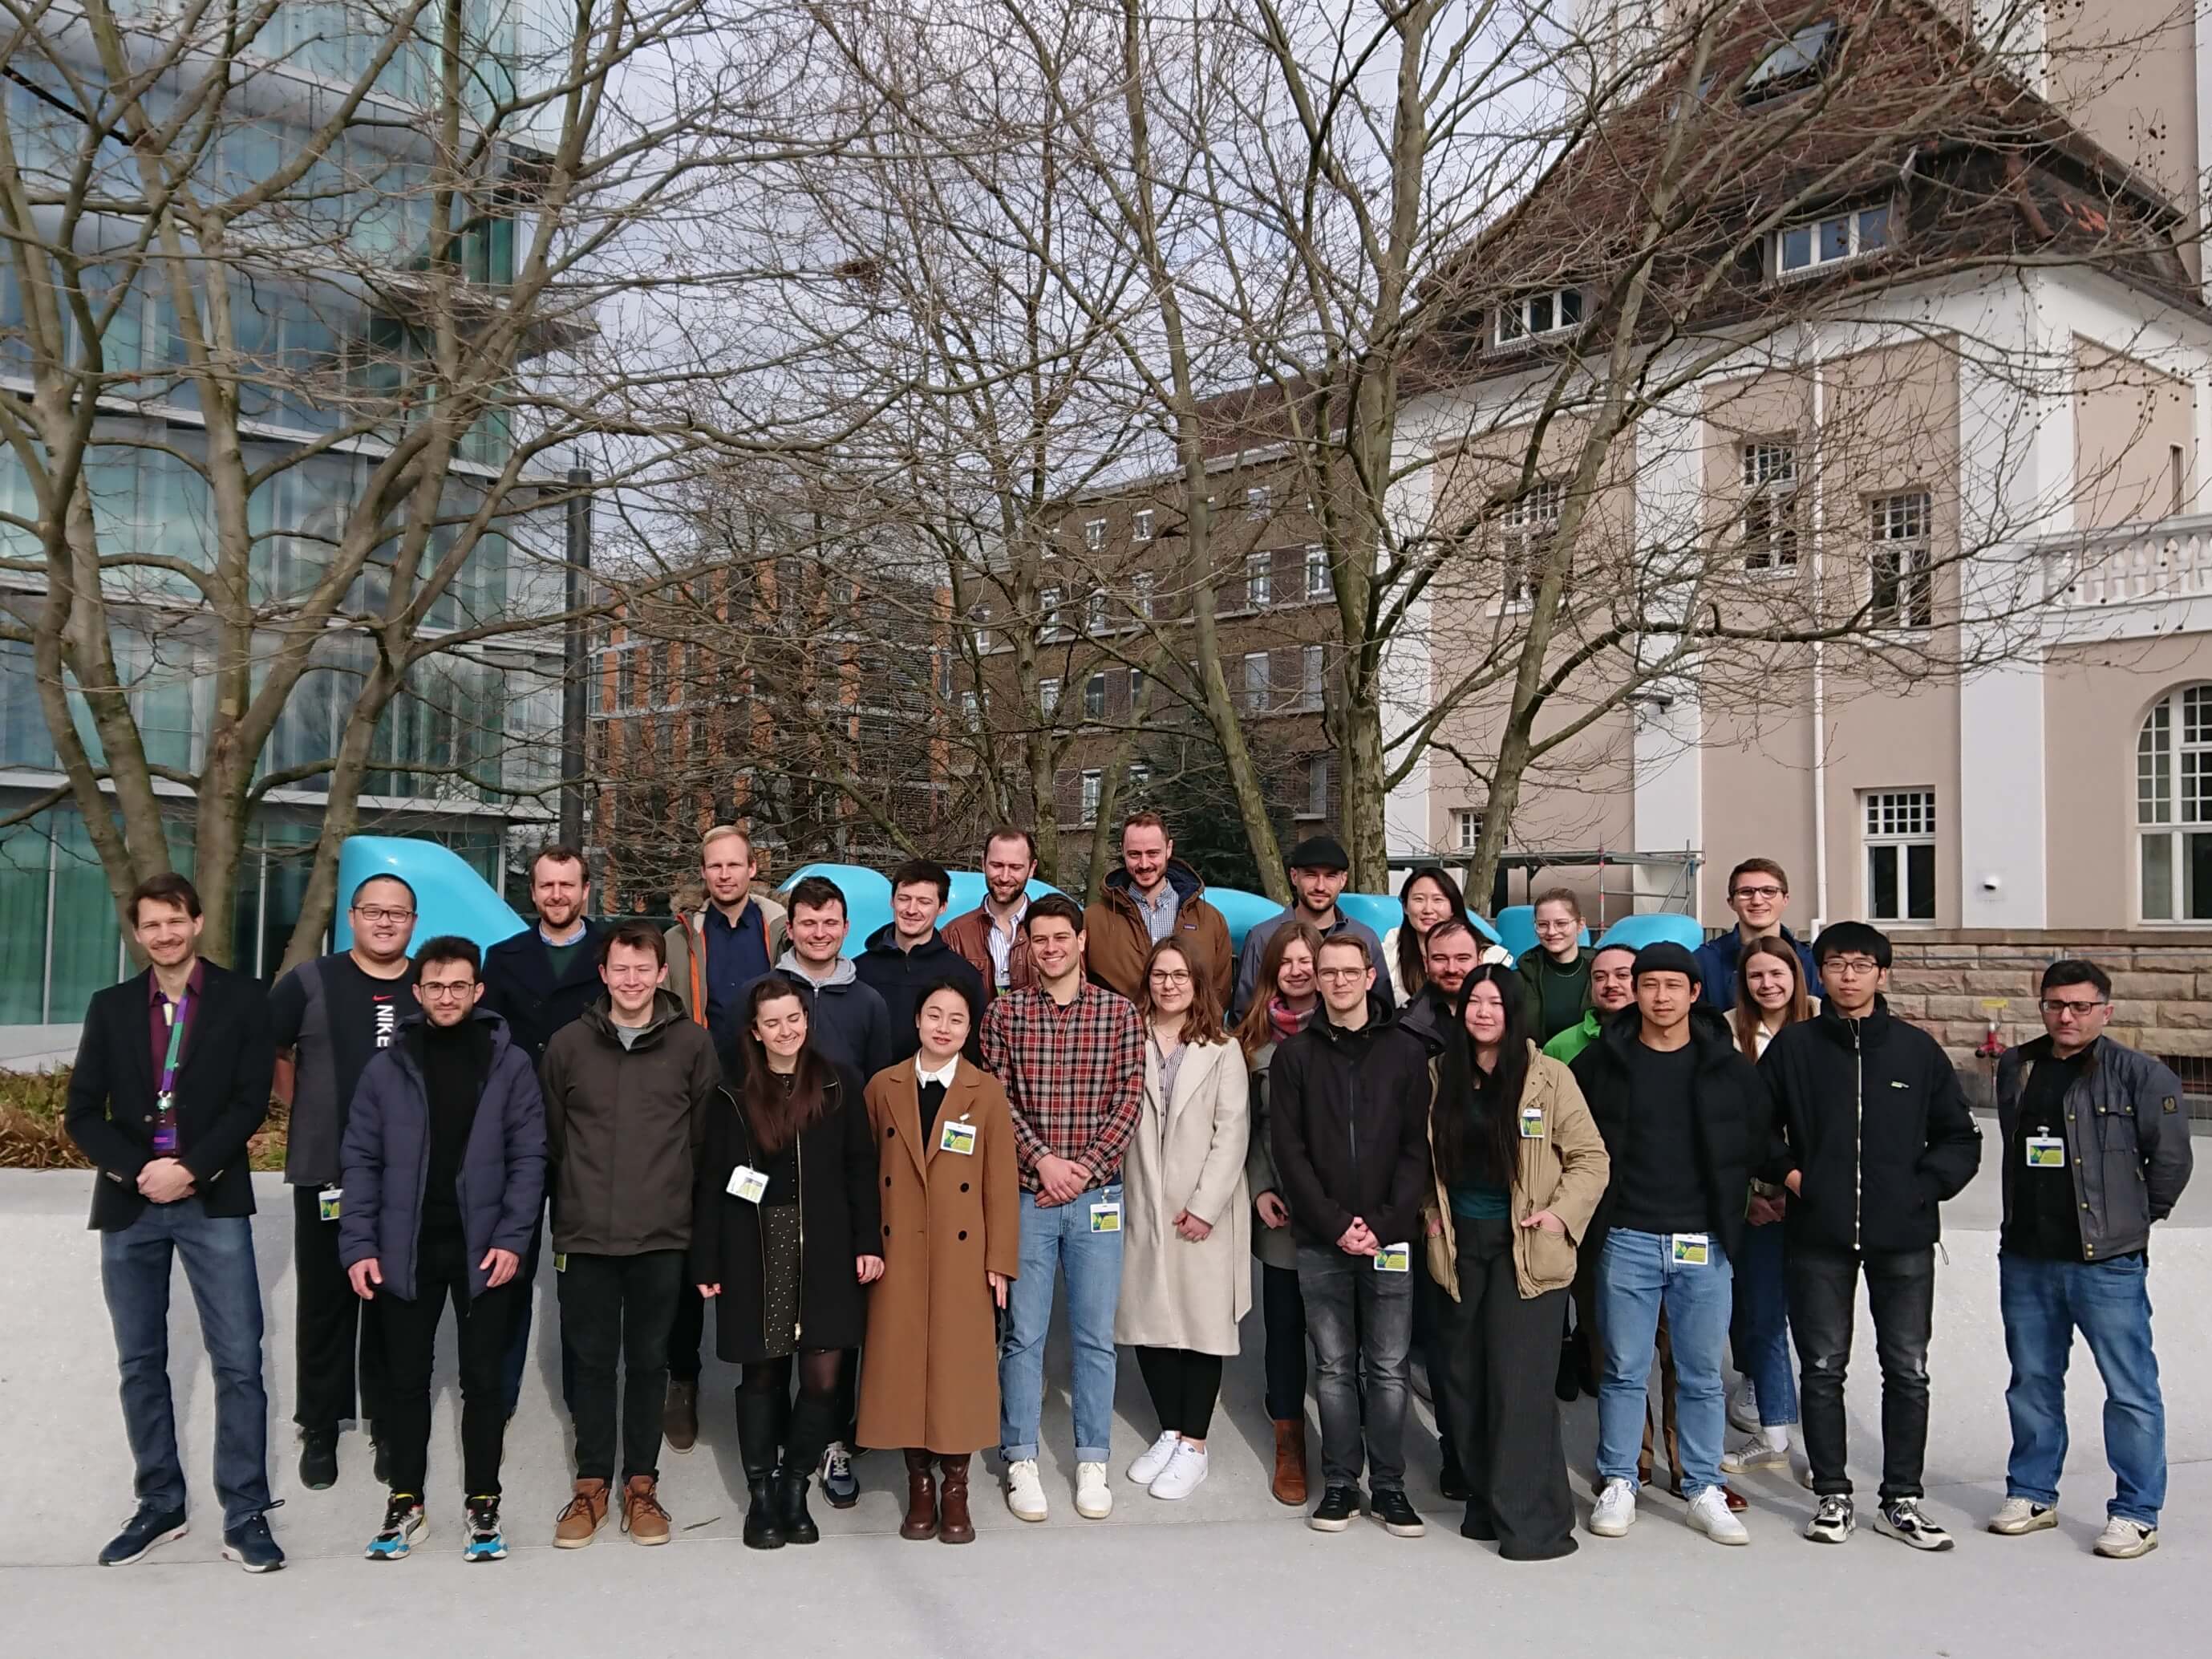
(1074, 1076)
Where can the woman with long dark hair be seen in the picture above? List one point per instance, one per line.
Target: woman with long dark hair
(1283, 998)
(1519, 1168)
(788, 1231)
(1429, 896)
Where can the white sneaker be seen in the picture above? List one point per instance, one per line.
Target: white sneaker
(1094, 1500)
(2016, 1516)
(1616, 1510)
(1743, 1408)
(2123, 1541)
(1709, 1514)
(1024, 1492)
(1154, 1458)
(1758, 1455)
(1186, 1469)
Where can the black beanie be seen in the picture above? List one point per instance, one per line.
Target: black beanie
(1665, 956)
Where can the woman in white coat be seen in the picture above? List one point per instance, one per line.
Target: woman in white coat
(1186, 1263)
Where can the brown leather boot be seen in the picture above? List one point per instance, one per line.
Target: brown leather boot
(581, 1521)
(921, 1522)
(1289, 1486)
(643, 1518)
(953, 1525)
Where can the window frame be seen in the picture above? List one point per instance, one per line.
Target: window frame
(1767, 528)
(1259, 580)
(1525, 524)
(1048, 692)
(1094, 694)
(1317, 565)
(2166, 815)
(1259, 500)
(1857, 248)
(1141, 524)
(1893, 823)
(1903, 563)
(1466, 828)
(1094, 535)
(1089, 792)
(1521, 311)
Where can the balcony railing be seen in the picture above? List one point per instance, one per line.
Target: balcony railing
(2168, 559)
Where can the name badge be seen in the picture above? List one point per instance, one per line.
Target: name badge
(747, 1183)
(1532, 1123)
(326, 1203)
(1106, 1216)
(1393, 1259)
(560, 1262)
(1691, 1249)
(2046, 1152)
(956, 1136)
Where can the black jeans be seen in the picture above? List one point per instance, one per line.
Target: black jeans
(518, 1345)
(1184, 1387)
(1901, 1292)
(1283, 1320)
(1362, 1325)
(617, 1308)
(481, 1326)
(331, 1329)
(1429, 1298)
(1499, 1357)
(685, 1335)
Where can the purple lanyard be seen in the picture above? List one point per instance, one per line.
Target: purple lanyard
(165, 1101)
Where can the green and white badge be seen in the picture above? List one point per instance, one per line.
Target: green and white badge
(560, 1262)
(1532, 1123)
(1106, 1216)
(747, 1183)
(1691, 1249)
(1395, 1259)
(956, 1135)
(326, 1202)
(2046, 1152)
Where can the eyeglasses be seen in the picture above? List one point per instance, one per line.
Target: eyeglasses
(1171, 976)
(1851, 965)
(2078, 1010)
(1340, 974)
(445, 990)
(381, 913)
(1756, 892)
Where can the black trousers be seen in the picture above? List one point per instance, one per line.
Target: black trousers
(1429, 1298)
(481, 1326)
(1184, 1387)
(1823, 1286)
(1500, 1355)
(1283, 1317)
(518, 1346)
(331, 1329)
(686, 1335)
(618, 1309)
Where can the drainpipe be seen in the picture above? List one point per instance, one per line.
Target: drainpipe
(574, 653)
(1820, 667)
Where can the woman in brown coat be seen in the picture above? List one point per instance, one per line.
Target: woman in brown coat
(952, 1243)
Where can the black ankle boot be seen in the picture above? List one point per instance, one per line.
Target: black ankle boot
(791, 1514)
(758, 1416)
(813, 1421)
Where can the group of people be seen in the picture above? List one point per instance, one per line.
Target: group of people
(879, 1171)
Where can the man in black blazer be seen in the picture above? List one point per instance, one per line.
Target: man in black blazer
(172, 1080)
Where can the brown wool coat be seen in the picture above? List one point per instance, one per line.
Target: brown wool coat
(931, 1376)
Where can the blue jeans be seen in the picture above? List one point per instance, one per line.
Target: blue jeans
(2043, 1303)
(1056, 1239)
(1761, 1325)
(135, 1265)
(1636, 1277)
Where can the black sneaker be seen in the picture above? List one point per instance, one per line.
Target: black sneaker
(318, 1458)
(1833, 1522)
(140, 1533)
(1904, 1520)
(1396, 1513)
(1337, 1507)
(380, 1460)
(484, 1542)
(1451, 1479)
(250, 1544)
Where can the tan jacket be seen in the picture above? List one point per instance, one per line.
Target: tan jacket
(687, 964)
(1116, 943)
(1187, 1154)
(969, 937)
(1564, 1171)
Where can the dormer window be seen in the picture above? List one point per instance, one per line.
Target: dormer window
(1831, 240)
(1793, 63)
(1546, 310)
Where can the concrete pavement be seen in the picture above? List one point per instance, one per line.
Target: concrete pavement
(1228, 1567)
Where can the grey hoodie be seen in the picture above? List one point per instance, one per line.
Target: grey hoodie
(849, 1022)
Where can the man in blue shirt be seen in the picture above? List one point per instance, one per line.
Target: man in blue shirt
(731, 939)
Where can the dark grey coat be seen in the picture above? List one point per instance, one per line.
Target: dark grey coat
(2127, 1140)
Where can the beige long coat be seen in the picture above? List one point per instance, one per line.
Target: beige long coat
(1188, 1153)
(930, 1379)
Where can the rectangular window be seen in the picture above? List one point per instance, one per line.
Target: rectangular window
(1260, 580)
(1256, 501)
(1141, 588)
(1094, 534)
(1831, 240)
(1094, 698)
(1049, 697)
(971, 711)
(626, 680)
(1048, 612)
(1527, 527)
(1097, 607)
(1255, 682)
(1467, 830)
(1141, 524)
(1547, 310)
(1093, 782)
(1903, 590)
(1140, 777)
(1313, 690)
(979, 619)
(1770, 515)
(1900, 855)
(1320, 583)
(1317, 770)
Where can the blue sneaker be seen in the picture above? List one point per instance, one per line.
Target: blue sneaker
(484, 1542)
(140, 1533)
(250, 1544)
(402, 1525)
(839, 1484)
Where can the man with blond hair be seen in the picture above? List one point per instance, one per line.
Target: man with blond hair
(718, 950)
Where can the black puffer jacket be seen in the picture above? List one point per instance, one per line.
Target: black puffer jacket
(1348, 1122)
(1869, 1112)
(1731, 1117)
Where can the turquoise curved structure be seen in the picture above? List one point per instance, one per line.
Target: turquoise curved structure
(1636, 932)
(450, 895)
(1516, 930)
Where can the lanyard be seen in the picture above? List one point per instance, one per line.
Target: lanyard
(165, 1128)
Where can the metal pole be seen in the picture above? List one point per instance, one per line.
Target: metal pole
(573, 705)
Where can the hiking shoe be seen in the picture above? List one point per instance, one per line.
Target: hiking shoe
(1834, 1522)
(1903, 1519)
(581, 1521)
(679, 1416)
(250, 1544)
(1024, 1492)
(1615, 1512)
(2016, 1516)
(2122, 1540)
(484, 1542)
(1094, 1498)
(1710, 1515)
(642, 1517)
(403, 1524)
(1334, 1511)
(839, 1484)
(318, 1458)
(1153, 1459)
(1396, 1513)
(140, 1533)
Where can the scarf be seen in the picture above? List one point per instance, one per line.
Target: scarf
(1285, 1023)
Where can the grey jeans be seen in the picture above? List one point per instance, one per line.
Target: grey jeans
(1362, 1325)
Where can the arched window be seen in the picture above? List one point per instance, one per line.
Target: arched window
(2173, 806)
